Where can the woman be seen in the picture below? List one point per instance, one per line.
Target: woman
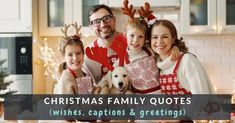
(186, 75)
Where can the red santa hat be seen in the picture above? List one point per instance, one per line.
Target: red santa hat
(147, 14)
(151, 19)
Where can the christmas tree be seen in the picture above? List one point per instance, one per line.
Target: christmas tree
(4, 91)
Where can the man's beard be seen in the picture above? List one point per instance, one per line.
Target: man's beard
(107, 35)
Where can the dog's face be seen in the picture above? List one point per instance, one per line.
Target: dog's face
(120, 79)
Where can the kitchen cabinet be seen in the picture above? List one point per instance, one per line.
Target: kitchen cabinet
(226, 16)
(138, 3)
(16, 15)
(53, 14)
(207, 17)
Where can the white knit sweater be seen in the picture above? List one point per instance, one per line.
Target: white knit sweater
(190, 74)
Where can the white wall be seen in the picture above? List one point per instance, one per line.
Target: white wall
(217, 54)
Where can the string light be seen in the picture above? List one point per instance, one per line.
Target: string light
(49, 58)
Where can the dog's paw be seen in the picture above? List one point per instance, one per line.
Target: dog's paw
(129, 92)
(105, 90)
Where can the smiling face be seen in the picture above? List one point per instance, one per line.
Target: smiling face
(74, 56)
(161, 40)
(135, 38)
(105, 29)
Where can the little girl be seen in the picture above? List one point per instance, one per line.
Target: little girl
(74, 79)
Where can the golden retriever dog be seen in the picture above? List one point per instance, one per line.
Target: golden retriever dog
(117, 82)
(120, 82)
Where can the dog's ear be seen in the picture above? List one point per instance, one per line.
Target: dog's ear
(129, 84)
(109, 79)
(110, 84)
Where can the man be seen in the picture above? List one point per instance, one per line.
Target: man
(102, 22)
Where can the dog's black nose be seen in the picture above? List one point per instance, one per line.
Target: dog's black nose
(120, 84)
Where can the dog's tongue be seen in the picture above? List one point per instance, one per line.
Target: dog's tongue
(121, 89)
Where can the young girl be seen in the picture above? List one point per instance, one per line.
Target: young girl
(74, 79)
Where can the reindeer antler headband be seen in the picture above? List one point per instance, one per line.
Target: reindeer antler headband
(129, 11)
(64, 30)
(144, 12)
(77, 29)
